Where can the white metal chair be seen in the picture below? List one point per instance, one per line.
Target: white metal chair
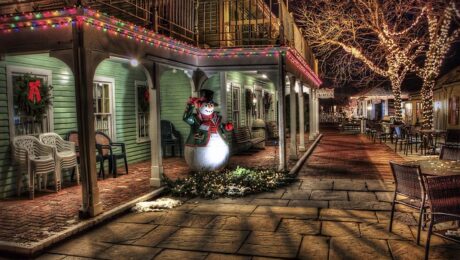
(36, 159)
(64, 154)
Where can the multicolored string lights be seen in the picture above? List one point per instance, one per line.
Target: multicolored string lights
(115, 27)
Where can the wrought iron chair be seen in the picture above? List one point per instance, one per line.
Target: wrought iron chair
(108, 150)
(410, 186)
(452, 138)
(450, 153)
(381, 132)
(412, 138)
(170, 137)
(64, 153)
(72, 136)
(35, 159)
(444, 200)
(399, 137)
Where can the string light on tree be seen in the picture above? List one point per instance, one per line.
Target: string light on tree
(440, 39)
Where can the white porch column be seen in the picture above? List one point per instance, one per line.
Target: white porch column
(316, 114)
(386, 107)
(281, 113)
(292, 119)
(156, 171)
(311, 114)
(373, 115)
(301, 119)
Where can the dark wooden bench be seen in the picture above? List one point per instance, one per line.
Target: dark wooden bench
(242, 140)
(272, 129)
(351, 127)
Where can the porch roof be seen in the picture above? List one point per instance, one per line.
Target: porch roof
(108, 34)
(377, 92)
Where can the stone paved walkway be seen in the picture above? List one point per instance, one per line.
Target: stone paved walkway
(337, 210)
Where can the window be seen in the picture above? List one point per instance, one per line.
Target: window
(29, 116)
(236, 95)
(142, 111)
(103, 106)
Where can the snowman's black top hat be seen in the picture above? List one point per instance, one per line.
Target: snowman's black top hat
(207, 96)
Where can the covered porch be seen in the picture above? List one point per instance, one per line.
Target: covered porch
(124, 86)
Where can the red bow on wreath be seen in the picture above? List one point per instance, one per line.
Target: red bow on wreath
(146, 95)
(34, 92)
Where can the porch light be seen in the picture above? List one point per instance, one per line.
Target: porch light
(264, 76)
(254, 100)
(134, 62)
(369, 107)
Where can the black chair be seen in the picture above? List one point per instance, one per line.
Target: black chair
(399, 137)
(108, 150)
(381, 133)
(452, 138)
(170, 137)
(412, 138)
(409, 185)
(444, 200)
(72, 136)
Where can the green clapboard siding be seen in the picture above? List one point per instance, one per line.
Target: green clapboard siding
(175, 89)
(63, 89)
(245, 81)
(64, 111)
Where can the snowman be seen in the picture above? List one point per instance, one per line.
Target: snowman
(206, 148)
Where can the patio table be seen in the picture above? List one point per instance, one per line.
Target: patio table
(436, 167)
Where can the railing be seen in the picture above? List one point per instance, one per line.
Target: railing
(175, 18)
(236, 23)
(207, 23)
(292, 36)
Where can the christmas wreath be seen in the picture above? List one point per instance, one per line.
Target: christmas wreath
(143, 99)
(31, 96)
(249, 100)
(267, 100)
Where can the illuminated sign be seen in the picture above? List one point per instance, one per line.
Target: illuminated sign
(325, 93)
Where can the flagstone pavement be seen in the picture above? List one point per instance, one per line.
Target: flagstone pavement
(338, 209)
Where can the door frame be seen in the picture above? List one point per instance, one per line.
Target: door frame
(110, 81)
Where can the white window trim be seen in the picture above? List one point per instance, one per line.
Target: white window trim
(10, 70)
(238, 87)
(136, 84)
(111, 81)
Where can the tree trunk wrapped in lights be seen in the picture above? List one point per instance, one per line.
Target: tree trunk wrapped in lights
(397, 102)
(427, 103)
(439, 40)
